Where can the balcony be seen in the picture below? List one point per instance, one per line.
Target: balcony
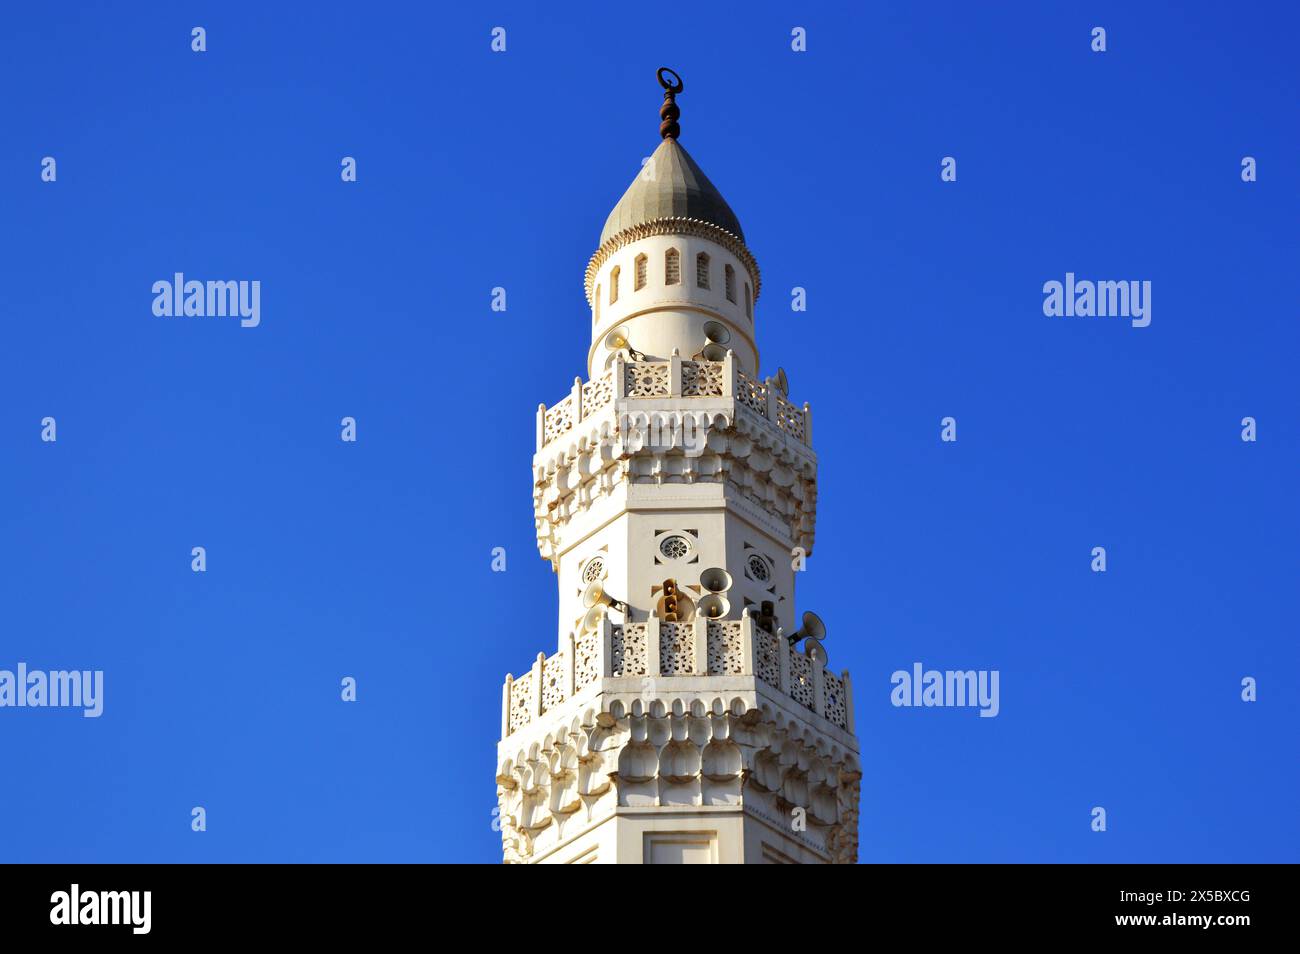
(667, 650)
(674, 378)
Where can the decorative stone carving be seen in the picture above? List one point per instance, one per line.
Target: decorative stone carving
(766, 663)
(770, 468)
(685, 752)
(646, 379)
(596, 394)
(676, 649)
(726, 654)
(801, 679)
(629, 656)
(559, 419)
(702, 378)
(587, 665)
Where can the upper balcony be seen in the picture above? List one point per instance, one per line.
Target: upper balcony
(638, 652)
(675, 378)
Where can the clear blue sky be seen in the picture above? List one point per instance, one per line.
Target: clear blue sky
(476, 170)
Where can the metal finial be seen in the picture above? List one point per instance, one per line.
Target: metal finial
(668, 112)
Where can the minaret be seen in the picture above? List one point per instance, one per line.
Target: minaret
(687, 714)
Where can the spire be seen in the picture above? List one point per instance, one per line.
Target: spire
(670, 185)
(669, 112)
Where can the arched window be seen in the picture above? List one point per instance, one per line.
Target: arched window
(638, 277)
(749, 304)
(672, 267)
(729, 274)
(613, 285)
(597, 305)
(702, 270)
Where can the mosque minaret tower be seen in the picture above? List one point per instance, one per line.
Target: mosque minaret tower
(688, 714)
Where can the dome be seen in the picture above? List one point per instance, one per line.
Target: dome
(671, 186)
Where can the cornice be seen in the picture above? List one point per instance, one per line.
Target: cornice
(775, 475)
(597, 757)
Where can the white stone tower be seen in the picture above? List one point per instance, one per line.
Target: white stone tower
(676, 722)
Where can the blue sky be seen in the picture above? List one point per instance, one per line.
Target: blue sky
(477, 170)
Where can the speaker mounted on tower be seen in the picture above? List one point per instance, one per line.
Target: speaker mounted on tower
(715, 581)
(812, 628)
(617, 340)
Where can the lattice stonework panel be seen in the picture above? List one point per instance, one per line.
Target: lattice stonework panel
(521, 692)
(836, 708)
(767, 665)
(628, 650)
(647, 379)
(585, 659)
(554, 676)
(725, 655)
(801, 679)
(558, 419)
(596, 394)
(789, 418)
(702, 378)
(751, 393)
(676, 649)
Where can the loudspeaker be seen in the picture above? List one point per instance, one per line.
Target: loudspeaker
(714, 606)
(595, 594)
(669, 602)
(617, 340)
(716, 332)
(814, 649)
(812, 627)
(715, 580)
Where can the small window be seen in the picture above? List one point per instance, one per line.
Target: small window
(749, 304)
(638, 279)
(672, 267)
(729, 274)
(594, 570)
(597, 306)
(702, 270)
(674, 547)
(613, 285)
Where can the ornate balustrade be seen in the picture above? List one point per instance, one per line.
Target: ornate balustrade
(672, 650)
(674, 378)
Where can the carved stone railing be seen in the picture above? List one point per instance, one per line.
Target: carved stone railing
(675, 650)
(674, 378)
